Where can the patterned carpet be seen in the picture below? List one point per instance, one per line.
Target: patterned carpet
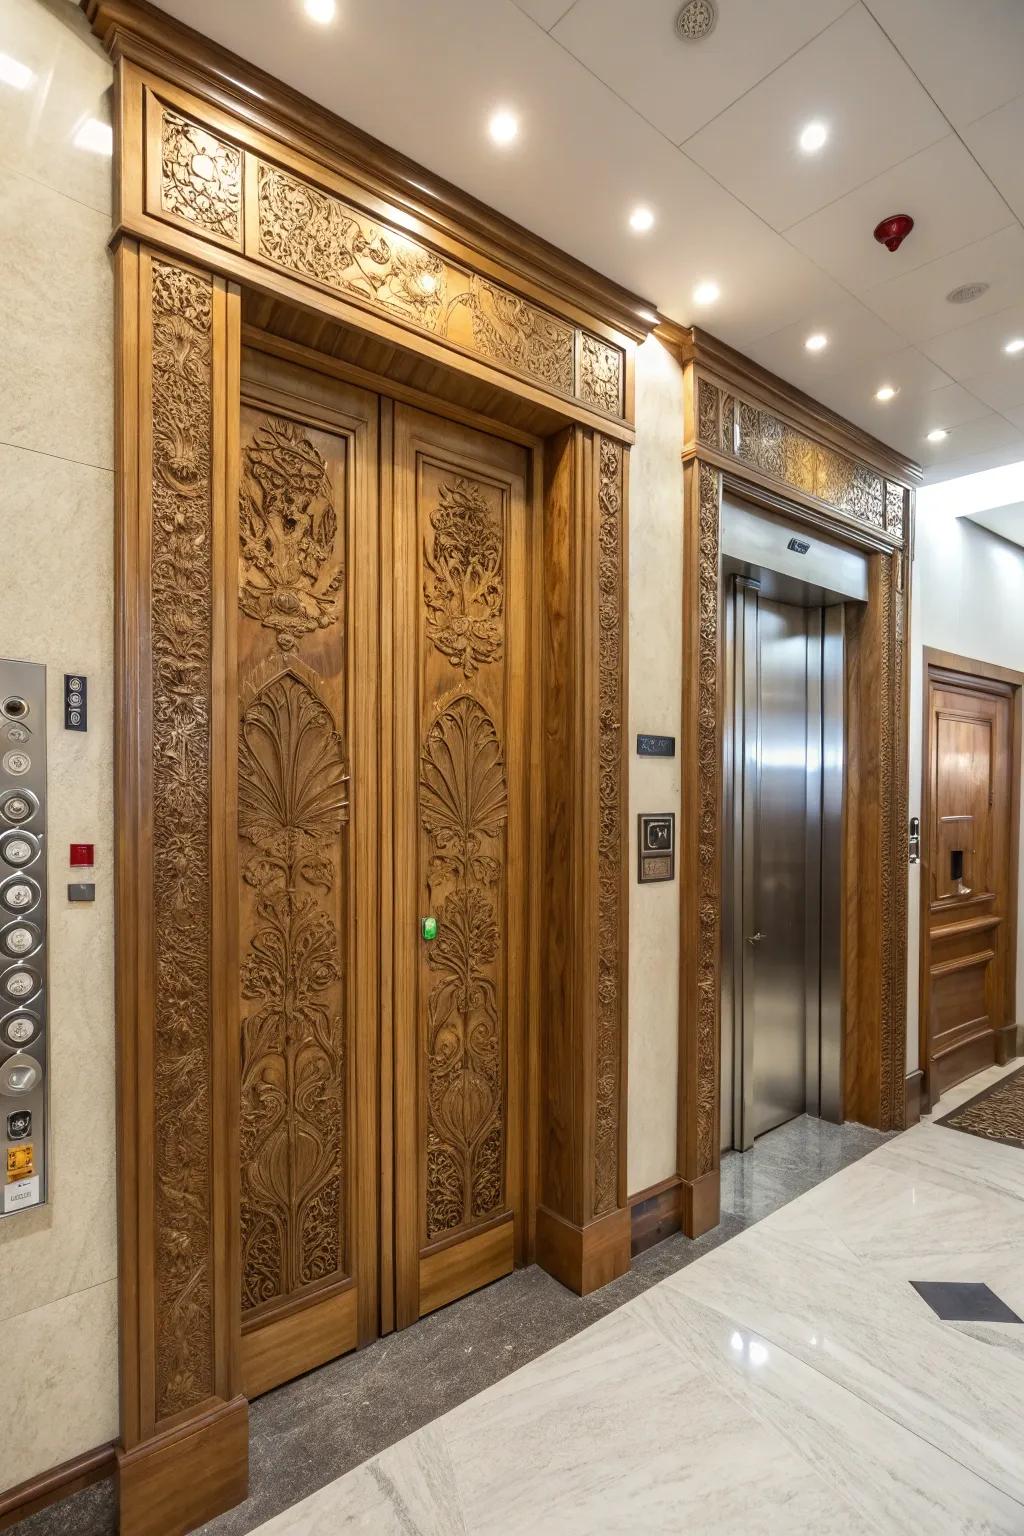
(997, 1113)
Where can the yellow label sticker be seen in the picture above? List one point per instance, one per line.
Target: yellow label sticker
(19, 1162)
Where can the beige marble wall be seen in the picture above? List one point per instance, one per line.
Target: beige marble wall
(58, 1305)
(967, 597)
(655, 693)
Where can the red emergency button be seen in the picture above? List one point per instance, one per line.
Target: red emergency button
(82, 855)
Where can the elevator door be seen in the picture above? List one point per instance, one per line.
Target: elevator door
(783, 800)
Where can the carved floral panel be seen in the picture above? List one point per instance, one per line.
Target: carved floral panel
(200, 177)
(610, 853)
(463, 811)
(181, 576)
(600, 381)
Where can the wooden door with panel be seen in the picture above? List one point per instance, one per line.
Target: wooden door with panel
(969, 734)
(307, 689)
(461, 605)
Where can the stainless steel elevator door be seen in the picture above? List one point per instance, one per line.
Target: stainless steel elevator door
(777, 1001)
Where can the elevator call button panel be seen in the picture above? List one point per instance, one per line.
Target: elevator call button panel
(23, 989)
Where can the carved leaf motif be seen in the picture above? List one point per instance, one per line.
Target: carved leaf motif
(182, 525)
(464, 590)
(600, 374)
(201, 176)
(288, 526)
(293, 804)
(463, 809)
(516, 332)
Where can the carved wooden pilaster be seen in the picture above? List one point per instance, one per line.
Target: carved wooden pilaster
(583, 1223)
(178, 1264)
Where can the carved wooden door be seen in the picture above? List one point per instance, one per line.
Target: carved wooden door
(460, 606)
(307, 701)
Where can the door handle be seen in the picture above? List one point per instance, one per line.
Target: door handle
(755, 938)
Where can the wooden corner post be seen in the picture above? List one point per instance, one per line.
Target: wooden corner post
(583, 1233)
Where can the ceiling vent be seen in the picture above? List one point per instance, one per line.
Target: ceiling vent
(696, 20)
(966, 293)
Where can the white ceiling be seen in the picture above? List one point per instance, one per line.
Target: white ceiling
(1008, 522)
(924, 100)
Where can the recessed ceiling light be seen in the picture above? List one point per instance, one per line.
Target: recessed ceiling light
(813, 137)
(886, 392)
(13, 72)
(706, 292)
(641, 220)
(1014, 346)
(503, 126)
(94, 136)
(321, 11)
(816, 342)
(937, 434)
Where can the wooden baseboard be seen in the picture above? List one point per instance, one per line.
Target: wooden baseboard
(179, 1480)
(702, 1203)
(915, 1101)
(45, 1488)
(655, 1213)
(583, 1258)
(1008, 1043)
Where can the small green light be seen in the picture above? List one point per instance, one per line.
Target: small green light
(428, 928)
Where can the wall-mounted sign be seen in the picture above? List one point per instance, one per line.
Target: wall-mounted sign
(655, 746)
(656, 846)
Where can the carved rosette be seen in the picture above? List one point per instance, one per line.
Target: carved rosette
(292, 806)
(600, 381)
(708, 815)
(200, 177)
(464, 810)
(464, 584)
(610, 915)
(182, 538)
(289, 579)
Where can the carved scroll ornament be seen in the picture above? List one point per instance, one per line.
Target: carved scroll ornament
(464, 587)
(201, 177)
(708, 800)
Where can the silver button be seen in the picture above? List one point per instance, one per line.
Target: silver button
(17, 763)
(20, 1030)
(18, 941)
(18, 851)
(20, 984)
(19, 896)
(16, 808)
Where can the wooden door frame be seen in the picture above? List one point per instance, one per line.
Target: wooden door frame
(508, 330)
(977, 674)
(785, 452)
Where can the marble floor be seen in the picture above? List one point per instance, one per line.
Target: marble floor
(791, 1379)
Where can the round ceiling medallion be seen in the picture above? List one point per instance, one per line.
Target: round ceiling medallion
(966, 292)
(696, 20)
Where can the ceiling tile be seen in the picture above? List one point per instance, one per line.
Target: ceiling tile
(1009, 453)
(1015, 413)
(916, 305)
(897, 421)
(850, 78)
(853, 333)
(968, 53)
(1002, 388)
(680, 86)
(1008, 522)
(975, 352)
(996, 141)
(950, 200)
(545, 12)
(985, 434)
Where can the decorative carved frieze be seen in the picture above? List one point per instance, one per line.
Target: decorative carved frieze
(600, 380)
(464, 585)
(182, 539)
(610, 915)
(292, 805)
(200, 177)
(757, 437)
(708, 872)
(464, 809)
(289, 579)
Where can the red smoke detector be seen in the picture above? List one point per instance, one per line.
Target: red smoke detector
(894, 230)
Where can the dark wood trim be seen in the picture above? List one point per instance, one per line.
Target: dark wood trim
(36, 1493)
(1008, 1043)
(584, 1258)
(702, 1202)
(915, 1099)
(952, 668)
(655, 1213)
(184, 1477)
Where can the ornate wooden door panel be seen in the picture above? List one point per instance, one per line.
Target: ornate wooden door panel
(461, 605)
(307, 972)
(969, 733)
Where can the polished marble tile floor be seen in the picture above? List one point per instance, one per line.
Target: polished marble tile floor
(790, 1380)
(780, 1374)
